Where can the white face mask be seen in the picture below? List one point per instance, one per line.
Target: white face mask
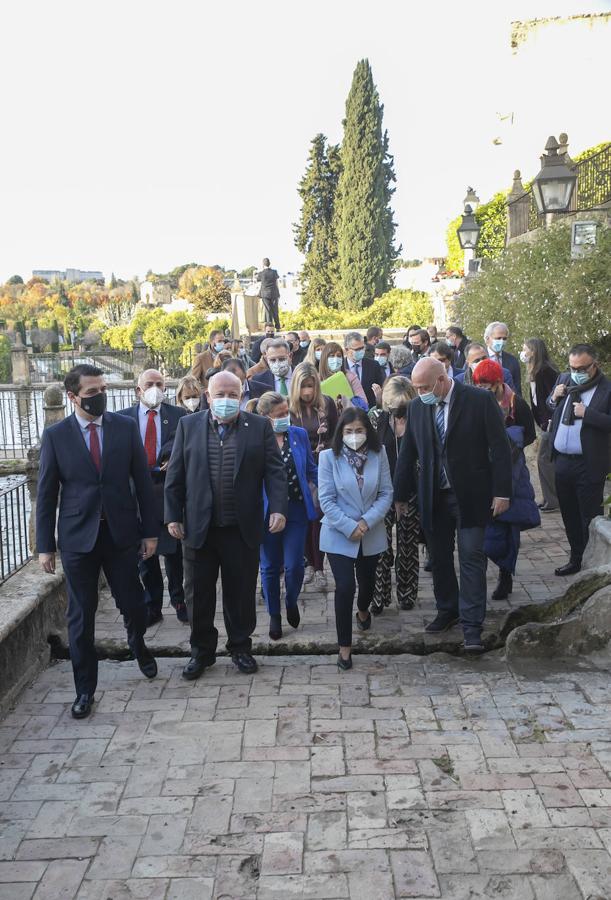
(524, 356)
(152, 397)
(280, 367)
(192, 403)
(354, 441)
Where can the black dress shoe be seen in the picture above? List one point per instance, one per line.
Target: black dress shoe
(344, 664)
(181, 612)
(146, 662)
(82, 706)
(363, 624)
(442, 622)
(571, 568)
(245, 662)
(275, 627)
(293, 616)
(153, 616)
(504, 586)
(195, 667)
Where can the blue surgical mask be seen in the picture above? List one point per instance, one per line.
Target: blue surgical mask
(318, 354)
(381, 360)
(218, 347)
(498, 345)
(430, 398)
(304, 344)
(225, 408)
(580, 377)
(335, 363)
(281, 425)
(358, 355)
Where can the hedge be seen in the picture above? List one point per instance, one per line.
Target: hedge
(395, 309)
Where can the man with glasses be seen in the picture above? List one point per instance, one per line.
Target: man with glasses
(580, 433)
(474, 354)
(278, 375)
(366, 370)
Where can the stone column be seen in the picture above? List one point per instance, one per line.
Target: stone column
(20, 364)
(518, 209)
(53, 404)
(140, 356)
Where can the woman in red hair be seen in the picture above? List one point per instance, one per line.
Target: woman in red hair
(502, 540)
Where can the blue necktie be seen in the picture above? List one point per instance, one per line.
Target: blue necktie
(441, 431)
(222, 429)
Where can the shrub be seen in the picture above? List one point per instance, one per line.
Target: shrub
(5, 360)
(397, 308)
(540, 292)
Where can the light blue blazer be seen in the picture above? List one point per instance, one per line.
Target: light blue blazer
(343, 504)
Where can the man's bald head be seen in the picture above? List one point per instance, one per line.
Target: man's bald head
(151, 378)
(224, 384)
(430, 375)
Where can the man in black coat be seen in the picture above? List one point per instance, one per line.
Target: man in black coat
(457, 436)
(270, 294)
(221, 462)
(496, 336)
(456, 338)
(255, 350)
(366, 370)
(580, 433)
(157, 422)
(96, 460)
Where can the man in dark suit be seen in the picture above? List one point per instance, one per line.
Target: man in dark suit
(269, 292)
(457, 436)
(456, 338)
(255, 350)
(373, 337)
(97, 461)
(474, 354)
(221, 462)
(381, 355)
(445, 354)
(496, 336)
(157, 422)
(278, 375)
(580, 433)
(366, 370)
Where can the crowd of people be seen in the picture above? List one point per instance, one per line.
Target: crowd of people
(281, 453)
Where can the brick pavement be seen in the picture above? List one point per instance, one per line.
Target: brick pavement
(406, 777)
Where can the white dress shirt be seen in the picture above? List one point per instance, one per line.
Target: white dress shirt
(568, 437)
(287, 380)
(143, 421)
(84, 427)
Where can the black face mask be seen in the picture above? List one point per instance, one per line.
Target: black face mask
(95, 406)
(417, 348)
(399, 412)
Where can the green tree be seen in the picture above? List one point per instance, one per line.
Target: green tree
(15, 279)
(112, 284)
(315, 235)
(5, 360)
(364, 220)
(204, 287)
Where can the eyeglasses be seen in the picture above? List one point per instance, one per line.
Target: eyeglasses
(581, 368)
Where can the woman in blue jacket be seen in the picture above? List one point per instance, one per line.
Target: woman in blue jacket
(355, 493)
(286, 548)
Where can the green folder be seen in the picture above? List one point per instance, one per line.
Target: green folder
(337, 386)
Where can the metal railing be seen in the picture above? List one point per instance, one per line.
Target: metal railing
(54, 366)
(171, 363)
(14, 541)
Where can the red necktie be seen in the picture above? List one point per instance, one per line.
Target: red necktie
(94, 445)
(150, 439)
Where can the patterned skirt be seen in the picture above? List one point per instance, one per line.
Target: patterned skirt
(405, 560)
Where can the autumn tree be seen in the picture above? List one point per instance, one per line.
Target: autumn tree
(204, 287)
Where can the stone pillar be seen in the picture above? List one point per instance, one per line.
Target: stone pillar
(53, 404)
(518, 209)
(20, 364)
(140, 356)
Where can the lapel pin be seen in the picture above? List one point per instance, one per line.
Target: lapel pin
(165, 421)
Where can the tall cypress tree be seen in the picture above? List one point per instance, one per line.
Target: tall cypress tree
(364, 219)
(315, 232)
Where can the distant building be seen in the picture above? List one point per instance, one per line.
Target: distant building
(72, 275)
(155, 293)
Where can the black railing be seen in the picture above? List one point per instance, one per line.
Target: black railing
(54, 366)
(14, 542)
(171, 363)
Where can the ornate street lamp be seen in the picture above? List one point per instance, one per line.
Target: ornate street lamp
(554, 185)
(468, 230)
(471, 199)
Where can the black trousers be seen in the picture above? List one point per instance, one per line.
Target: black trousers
(224, 549)
(152, 579)
(82, 571)
(271, 310)
(344, 569)
(580, 499)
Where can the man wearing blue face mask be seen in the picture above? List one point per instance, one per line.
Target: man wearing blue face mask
(382, 357)
(457, 436)
(221, 461)
(579, 437)
(366, 370)
(205, 360)
(496, 336)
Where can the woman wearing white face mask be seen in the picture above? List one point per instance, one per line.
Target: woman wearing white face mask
(286, 547)
(188, 394)
(355, 493)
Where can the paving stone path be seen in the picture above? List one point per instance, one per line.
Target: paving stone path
(407, 777)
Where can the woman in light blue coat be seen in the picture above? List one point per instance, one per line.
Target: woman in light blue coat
(355, 493)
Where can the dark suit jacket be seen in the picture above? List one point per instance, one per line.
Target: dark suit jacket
(477, 453)
(188, 492)
(298, 356)
(511, 362)
(507, 378)
(595, 431)
(371, 373)
(123, 486)
(261, 383)
(545, 379)
(169, 416)
(269, 284)
(459, 353)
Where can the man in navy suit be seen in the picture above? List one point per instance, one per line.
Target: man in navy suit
(157, 423)
(445, 354)
(366, 370)
(97, 461)
(496, 336)
(279, 373)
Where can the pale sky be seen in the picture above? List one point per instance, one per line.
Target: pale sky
(146, 133)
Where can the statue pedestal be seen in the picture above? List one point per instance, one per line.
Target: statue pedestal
(248, 315)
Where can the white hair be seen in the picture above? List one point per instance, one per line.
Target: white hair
(490, 328)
